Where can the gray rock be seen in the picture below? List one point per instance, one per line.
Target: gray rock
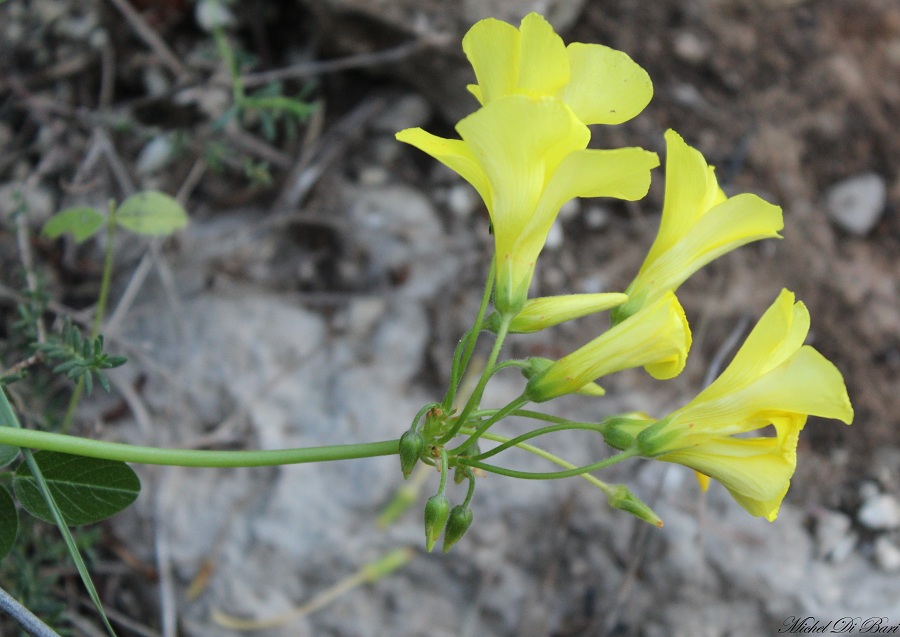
(857, 203)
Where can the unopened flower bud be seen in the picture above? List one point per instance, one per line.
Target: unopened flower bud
(457, 524)
(437, 510)
(411, 445)
(621, 497)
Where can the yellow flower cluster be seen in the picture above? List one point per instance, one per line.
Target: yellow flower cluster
(525, 152)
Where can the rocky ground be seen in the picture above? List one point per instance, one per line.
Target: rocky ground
(328, 271)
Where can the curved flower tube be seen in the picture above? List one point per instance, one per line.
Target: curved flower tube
(526, 157)
(547, 311)
(601, 85)
(657, 338)
(773, 380)
(699, 224)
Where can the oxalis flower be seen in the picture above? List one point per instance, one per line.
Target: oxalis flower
(773, 380)
(601, 85)
(526, 157)
(657, 338)
(699, 224)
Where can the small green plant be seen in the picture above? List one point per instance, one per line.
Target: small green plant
(57, 487)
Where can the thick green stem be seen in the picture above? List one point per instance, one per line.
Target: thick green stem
(46, 441)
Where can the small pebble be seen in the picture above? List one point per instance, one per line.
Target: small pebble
(155, 155)
(690, 48)
(857, 204)
(596, 217)
(887, 555)
(880, 513)
(461, 200)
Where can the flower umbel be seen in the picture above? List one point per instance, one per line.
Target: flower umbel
(699, 224)
(773, 380)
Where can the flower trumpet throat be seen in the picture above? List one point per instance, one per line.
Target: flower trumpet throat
(526, 157)
(657, 338)
(774, 379)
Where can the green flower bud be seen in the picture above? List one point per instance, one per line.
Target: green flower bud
(457, 524)
(621, 497)
(411, 445)
(437, 510)
(536, 365)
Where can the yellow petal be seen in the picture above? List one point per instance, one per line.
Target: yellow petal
(493, 48)
(454, 154)
(778, 334)
(607, 86)
(729, 225)
(543, 64)
(702, 480)
(807, 383)
(756, 471)
(623, 173)
(686, 191)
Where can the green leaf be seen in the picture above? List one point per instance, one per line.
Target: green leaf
(81, 222)
(7, 454)
(71, 546)
(9, 521)
(151, 213)
(86, 489)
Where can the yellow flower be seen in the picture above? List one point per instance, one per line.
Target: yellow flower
(657, 338)
(601, 85)
(699, 224)
(773, 380)
(526, 157)
(547, 311)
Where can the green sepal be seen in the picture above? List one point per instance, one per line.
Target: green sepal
(411, 445)
(620, 432)
(458, 523)
(437, 510)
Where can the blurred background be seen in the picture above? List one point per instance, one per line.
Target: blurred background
(328, 272)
